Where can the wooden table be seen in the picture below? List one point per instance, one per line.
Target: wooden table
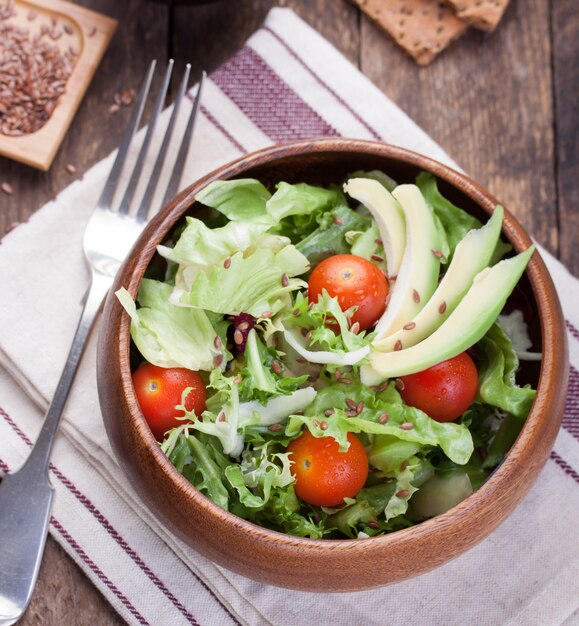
(503, 106)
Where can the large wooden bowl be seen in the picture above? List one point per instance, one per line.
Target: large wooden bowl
(329, 565)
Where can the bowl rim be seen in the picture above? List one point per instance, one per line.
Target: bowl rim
(548, 309)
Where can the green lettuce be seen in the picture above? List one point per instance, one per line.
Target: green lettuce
(324, 324)
(330, 235)
(201, 247)
(403, 422)
(497, 375)
(259, 379)
(254, 284)
(242, 200)
(168, 335)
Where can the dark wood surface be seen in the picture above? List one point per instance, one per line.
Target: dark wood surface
(504, 106)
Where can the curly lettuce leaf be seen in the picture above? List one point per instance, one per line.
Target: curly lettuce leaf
(201, 247)
(168, 335)
(254, 284)
(403, 422)
(260, 380)
(318, 321)
(242, 200)
(497, 375)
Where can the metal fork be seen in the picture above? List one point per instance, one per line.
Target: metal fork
(26, 495)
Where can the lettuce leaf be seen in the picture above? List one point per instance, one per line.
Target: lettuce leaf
(315, 319)
(201, 247)
(497, 375)
(330, 236)
(403, 422)
(254, 284)
(242, 200)
(454, 221)
(168, 335)
(259, 380)
(301, 199)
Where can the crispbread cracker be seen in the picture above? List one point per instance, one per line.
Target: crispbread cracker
(423, 28)
(483, 14)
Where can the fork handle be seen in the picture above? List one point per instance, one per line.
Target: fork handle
(39, 457)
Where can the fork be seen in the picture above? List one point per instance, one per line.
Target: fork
(26, 495)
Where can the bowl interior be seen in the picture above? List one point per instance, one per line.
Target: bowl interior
(327, 565)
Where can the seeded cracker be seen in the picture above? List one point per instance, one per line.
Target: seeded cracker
(423, 28)
(482, 14)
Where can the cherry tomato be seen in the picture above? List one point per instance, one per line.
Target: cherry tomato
(324, 475)
(159, 391)
(443, 391)
(354, 281)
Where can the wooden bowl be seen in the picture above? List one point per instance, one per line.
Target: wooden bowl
(329, 565)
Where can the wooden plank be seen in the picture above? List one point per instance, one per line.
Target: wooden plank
(566, 84)
(488, 101)
(208, 35)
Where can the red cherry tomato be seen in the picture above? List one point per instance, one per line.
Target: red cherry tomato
(159, 391)
(324, 475)
(443, 391)
(354, 281)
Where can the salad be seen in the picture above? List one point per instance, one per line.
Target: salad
(332, 362)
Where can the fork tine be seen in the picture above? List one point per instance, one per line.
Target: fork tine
(156, 173)
(177, 172)
(138, 167)
(112, 181)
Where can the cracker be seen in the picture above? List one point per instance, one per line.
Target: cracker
(422, 28)
(482, 14)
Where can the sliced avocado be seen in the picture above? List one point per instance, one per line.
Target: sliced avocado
(466, 325)
(472, 255)
(388, 215)
(418, 275)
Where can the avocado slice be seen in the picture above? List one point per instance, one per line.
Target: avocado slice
(472, 255)
(466, 325)
(418, 275)
(388, 215)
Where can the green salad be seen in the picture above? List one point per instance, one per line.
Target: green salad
(332, 362)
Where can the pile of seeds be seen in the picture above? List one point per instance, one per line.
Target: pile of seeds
(33, 74)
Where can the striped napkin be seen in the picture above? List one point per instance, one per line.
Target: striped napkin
(286, 83)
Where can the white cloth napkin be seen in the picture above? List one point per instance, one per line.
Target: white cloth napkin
(286, 83)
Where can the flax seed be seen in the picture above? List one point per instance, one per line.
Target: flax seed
(360, 407)
(238, 337)
(415, 296)
(409, 326)
(238, 379)
(70, 168)
(284, 280)
(403, 493)
(407, 426)
(355, 328)
(398, 345)
(346, 381)
(437, 253)
(324, 425)
(217, 360)
(275, 428)
(374, 524)
(217, 342)
(329, 412)
(383, 418)
(276, 367)
(7, 188)
(227, 263)
(338, 220)
(243, 326)
(351, 403)
(400, 384)
(442, 308)
(377, 258)
(404, 465)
